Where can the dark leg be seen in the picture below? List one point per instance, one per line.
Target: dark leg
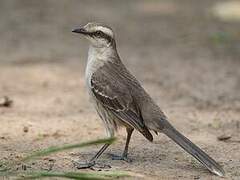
(129, 134)
(92, 162)
(125, 152)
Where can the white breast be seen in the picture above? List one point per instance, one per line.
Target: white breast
(96, 59)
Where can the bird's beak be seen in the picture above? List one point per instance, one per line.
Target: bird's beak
(80, 30)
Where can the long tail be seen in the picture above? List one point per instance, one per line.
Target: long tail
(192, 149)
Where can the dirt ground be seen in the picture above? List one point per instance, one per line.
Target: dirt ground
(187, 59)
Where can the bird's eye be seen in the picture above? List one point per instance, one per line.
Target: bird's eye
(98, 33)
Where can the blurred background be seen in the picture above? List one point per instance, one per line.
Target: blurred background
(186, 53)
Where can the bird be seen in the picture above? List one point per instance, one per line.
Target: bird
(121, 101)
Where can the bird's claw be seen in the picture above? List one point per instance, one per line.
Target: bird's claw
(123, 158)
(91, 165)
(82, 165)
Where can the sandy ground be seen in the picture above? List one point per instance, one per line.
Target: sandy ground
(185, 58)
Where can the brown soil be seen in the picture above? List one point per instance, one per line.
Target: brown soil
(186, 59)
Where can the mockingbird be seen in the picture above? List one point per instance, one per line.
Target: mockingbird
(120, 100)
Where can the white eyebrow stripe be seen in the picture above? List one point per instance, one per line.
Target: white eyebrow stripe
(105, 30)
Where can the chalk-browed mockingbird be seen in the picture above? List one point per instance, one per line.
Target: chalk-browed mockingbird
(120, 100)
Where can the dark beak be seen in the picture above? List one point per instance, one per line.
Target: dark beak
(80, 30)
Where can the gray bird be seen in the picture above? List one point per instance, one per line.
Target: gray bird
(120, 100)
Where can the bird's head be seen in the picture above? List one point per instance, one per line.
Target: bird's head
(98, 34)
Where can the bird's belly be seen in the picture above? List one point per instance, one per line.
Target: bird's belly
(111, 123)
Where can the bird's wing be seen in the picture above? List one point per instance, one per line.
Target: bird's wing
(116, 97)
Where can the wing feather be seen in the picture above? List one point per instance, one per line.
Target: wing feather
(116, 97)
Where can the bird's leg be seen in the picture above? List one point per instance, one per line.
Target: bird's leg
(129, 134)
(125, 152)
(92, 161)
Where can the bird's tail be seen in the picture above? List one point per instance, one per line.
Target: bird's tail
(192, 149)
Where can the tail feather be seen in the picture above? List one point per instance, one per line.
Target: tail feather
(192, 149)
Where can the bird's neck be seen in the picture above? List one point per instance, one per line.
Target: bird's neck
(98, 56)
(102, 53)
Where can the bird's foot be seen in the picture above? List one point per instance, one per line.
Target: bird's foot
(83, 165)
(91, 165)
(123, 158)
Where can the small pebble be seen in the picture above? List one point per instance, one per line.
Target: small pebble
(25, 129)
(5, 101)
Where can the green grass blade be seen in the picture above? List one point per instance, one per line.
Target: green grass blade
(75, 175)
(6, 172)
(55, 149)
